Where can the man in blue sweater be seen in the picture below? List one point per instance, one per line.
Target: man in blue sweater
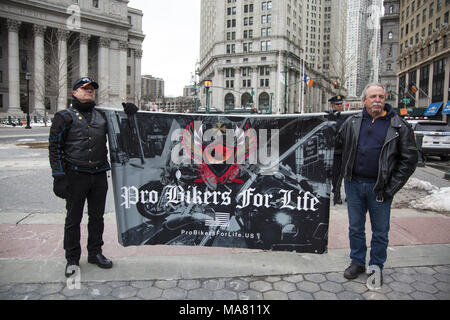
(379, 155)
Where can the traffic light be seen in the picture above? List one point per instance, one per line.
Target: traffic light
(335, 84)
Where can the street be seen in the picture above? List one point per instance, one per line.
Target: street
(26, 182)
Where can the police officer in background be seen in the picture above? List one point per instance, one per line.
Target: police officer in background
(336, 107)
(79, 161)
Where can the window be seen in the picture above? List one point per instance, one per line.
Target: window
(95, 3)
(390, 36)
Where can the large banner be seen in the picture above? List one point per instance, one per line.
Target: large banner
(260, 182)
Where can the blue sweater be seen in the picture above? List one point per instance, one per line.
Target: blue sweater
(370, 142)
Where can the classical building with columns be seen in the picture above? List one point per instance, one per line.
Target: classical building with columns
(54, 42)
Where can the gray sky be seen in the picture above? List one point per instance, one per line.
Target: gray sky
(172, 42)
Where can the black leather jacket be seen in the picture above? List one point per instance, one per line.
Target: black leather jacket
(398, 158)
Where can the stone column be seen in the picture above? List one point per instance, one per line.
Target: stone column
(84, 69)
(103, 71)
(123, 47)
(62, 36)
(137, 74)
(13, 68)
(39, 70)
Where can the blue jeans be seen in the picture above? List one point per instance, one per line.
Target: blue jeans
(360, 199)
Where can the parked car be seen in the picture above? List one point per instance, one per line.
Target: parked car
(436, 137)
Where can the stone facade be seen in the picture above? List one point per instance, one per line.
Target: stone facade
(58, 41)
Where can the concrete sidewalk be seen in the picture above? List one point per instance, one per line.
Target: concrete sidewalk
(32, 261)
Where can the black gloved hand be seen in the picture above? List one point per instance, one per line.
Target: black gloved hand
(60, 187)
(129, 108)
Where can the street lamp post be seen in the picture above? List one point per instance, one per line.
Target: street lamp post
(207, 84)
(28, 77)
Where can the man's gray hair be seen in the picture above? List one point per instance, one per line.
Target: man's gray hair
(373, 84)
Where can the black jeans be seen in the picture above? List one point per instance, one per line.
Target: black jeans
(82, 187)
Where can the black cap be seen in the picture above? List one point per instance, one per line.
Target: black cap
(337, 99)
(84, 82)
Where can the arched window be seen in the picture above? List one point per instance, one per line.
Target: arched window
(390, 36)
(229, 100)
(246, 100)
(264, 100)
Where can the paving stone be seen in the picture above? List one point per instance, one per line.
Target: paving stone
(200, 294)
(214, 284)
(124, 292)
(323, 295)
(427, 278)
(261, 286)
(272, 279)
(398, 296)
(401, 277)
(300, 295)
(316, 278)
(331, 287)
(141, 284)
(442, 277)
(443, 286)
(189, 284)
(175, 294)
(294, 279)
(401, 287)
(116, 284)
(425, 270)
(6, 287)
(442, 295)
(356, 287)
(25, 296)
(442, 269)
(422, 296)
(237, 285)
(374, 295)
(348, 295)
(149, 293)
(250, 295)
(424, 287)
(275, 295)
(284, 286)
(74, 292)
(25, 288)
(225, 294)
(81, 297)
(100, 290)
(165, 284)
(57, 297)
(50, 288)
(336, 277)
(308, 286)
(409, 270)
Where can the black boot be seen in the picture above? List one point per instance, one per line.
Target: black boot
(101, 261)
(337, 198)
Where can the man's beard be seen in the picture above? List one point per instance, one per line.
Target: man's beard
(376, 111)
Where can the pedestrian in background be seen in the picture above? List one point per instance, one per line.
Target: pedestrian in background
(79, 161)
(336, 107)
(379, 155)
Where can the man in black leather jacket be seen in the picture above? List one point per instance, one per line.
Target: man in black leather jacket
(379, 155)
(79, 161)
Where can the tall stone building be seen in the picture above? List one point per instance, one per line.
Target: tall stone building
(389, 49)
(363, 44)
(258, 52)
(58, 41)
(424, 53)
